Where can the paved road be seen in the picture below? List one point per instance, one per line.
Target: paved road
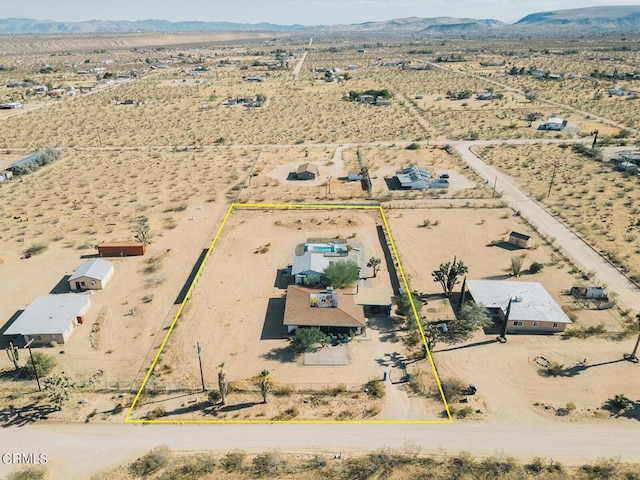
(580, 253)
(79, 451)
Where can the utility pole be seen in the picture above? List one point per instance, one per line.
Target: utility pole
(200, 362)
(35, 370)
(553, 176)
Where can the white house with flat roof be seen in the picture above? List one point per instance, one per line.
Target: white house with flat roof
(91, 275)
(533, 310)
(50, 319)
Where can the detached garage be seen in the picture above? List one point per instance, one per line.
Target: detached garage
(92, 275)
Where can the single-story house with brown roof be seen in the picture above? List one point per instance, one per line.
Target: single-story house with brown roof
(333, 311)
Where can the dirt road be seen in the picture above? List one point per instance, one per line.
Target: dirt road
(579, 251)
(79, 451)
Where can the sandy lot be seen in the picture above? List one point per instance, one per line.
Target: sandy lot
(236, 317)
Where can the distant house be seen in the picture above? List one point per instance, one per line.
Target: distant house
(6, 175)
(255, 79)
(617, 92)
(354, 176)
(42, 89)
(10, 105)
(628, 156)
(553, 123)
(50, 319)
(414, 178)
(91, 275)
(533, 310)
(629, 167)
(366, 98)
(332, 311)
(307, 171)
(520, 240)
(596, 292)
(382, 102)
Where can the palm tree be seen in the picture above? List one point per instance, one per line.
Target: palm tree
(222, 384)
(265, 387)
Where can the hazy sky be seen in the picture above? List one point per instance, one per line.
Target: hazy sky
(285, 12)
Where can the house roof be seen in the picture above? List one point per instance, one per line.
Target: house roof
(556, 120)
(310, 262)
(97, 269)
(530, 299)
(49, 315)
(415, 177)
(298, 309)
(521, 236)
(307, 167)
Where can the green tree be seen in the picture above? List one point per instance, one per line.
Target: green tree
(305, 338)
(374, 263)
(403, 304)
(471, 317)
(448, 274)
(58, 388)
(265, 385)
(41, 363)
(342, 273)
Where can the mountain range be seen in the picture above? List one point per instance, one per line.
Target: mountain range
(580, 20)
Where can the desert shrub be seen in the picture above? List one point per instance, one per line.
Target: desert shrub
(36, 249)
(234, 461)
(150, 462)
(413, 146)
(375, 388)
(266, 464)
(464, 412)
(618, 402)
(42, 363)
(536, 267)
(536, 466)
(602, 469)
(30, 473)
(585, 332)
(452, 388)
(157, 412)
(284, 390)
(214, 396)
(554, 369)
(493, 467)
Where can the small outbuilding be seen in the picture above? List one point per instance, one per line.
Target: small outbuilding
(307, 171)
(91, 275)
(121, 249)
(520, 240)
(554, 123)
(50, 319)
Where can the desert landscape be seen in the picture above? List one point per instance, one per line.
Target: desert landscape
(225, 153)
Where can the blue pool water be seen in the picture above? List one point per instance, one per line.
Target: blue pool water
(323, 248)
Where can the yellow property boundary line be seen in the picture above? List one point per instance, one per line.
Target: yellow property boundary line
(449, 419)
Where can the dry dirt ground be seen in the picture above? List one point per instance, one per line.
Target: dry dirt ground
(236, 315)
(596, 200)
(168, 161)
